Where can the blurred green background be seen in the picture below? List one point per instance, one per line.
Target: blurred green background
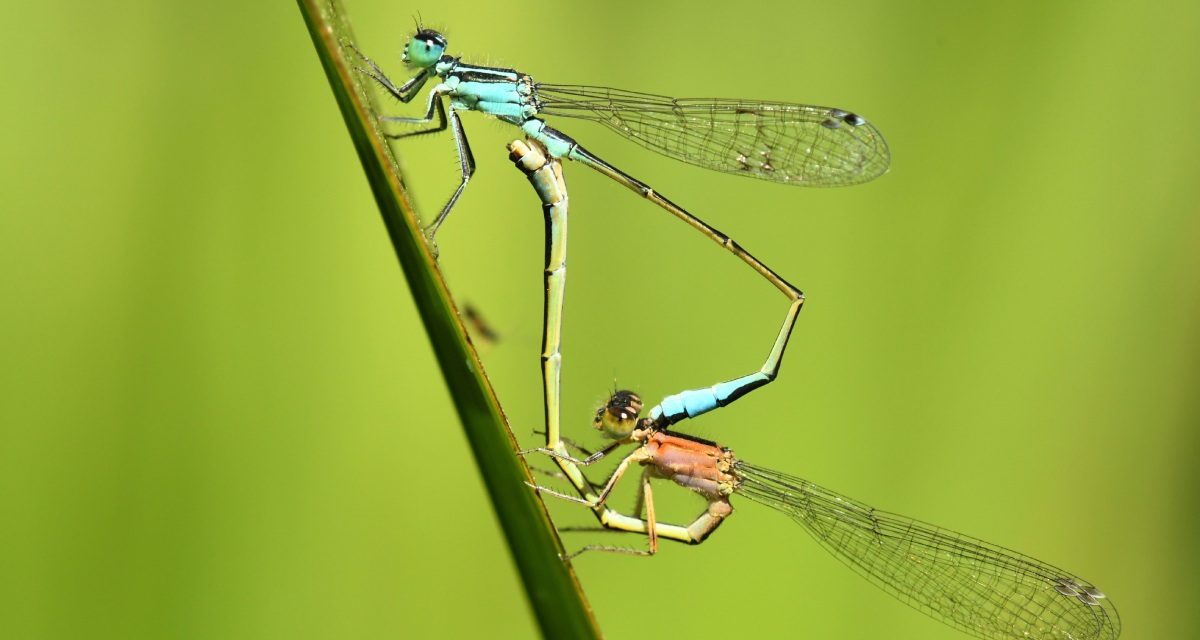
(221, 417)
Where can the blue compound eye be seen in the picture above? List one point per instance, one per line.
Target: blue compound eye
(425, 48)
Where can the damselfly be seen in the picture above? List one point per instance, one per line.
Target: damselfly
(780, 142)
(478, 324)
(975, 586)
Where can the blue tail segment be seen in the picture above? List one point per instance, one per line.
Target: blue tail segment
(689, 404)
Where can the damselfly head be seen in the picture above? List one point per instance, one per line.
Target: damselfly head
(425, 48)
(618, 417)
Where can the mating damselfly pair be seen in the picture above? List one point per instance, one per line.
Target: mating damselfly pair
(972, 585)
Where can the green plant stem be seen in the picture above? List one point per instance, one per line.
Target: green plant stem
(553, 590)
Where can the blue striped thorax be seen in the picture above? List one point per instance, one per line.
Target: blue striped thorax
(503, 93)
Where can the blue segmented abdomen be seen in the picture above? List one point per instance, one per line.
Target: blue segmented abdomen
(689, 404)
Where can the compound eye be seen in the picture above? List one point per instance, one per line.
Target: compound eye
(618, 417)
(425, 49)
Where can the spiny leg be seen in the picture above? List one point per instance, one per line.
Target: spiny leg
(405, 92)
(597, 501)
(640, 502)
(595, 457)
(565, 463)
(645, 496)
(567, 443)
(436, 107)
(466, 163)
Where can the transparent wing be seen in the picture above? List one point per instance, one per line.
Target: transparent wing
(787, 143)
(975, 586)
